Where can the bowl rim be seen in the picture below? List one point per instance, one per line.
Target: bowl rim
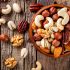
(30, 30)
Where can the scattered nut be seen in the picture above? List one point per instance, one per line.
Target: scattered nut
(2, 21)
(24, 52)
(52, 10)
(4, 37)
(55, 42)
(17, 40)
(10, 62)
(11, 25)
(39, 66)
(35, 7)
(7, 10)
(22, 26)
(16, 7)
(45, 13)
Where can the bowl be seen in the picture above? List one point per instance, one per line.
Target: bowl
(42, 50)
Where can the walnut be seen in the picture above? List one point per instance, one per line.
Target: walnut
(17, 40)
(10, 62)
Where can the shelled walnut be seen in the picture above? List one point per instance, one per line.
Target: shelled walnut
(17, 40)
(10, 62)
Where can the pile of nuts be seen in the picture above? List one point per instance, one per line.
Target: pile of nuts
(48, 27)
(10, 62)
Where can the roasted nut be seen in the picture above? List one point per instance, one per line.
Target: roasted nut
(45, 13)
(16, 7)
(35, 7)
(52, 10)
(10, 62)
(57, 36)
(4, 37)
(69, 12)
(55, 43)
(37, 37)
(55, 17)
(45, 22)
(68, 26)
(17, 40)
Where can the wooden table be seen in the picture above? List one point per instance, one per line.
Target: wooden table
(7, 50)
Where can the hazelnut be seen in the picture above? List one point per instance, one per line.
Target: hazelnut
(55, 17)
(69, 12)
(45, 13)
(4, 37)
(57, 36)
(10, 62)
(45, 22)
(53, 10)
(55, 43)
(37, 37)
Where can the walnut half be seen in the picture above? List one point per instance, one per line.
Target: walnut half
(10, 62)
(17, 40)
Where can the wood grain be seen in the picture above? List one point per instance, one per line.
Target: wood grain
(7, 50)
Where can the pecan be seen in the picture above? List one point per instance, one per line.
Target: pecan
(35, 7)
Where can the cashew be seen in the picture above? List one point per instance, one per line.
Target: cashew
(2, 21)
(38, 18)
(11, 25)
(24, 52)
(45, 43)
(16, 8)
(59, 25)
(55, 29)
(39, 66)
(50, 23)
(7, 10)
(63, 13)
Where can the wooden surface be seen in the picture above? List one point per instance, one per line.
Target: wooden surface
(7, 50)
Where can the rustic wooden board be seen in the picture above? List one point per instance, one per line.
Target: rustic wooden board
(7, 50)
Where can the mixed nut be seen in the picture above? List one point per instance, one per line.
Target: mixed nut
(48, 28)
(48, 31)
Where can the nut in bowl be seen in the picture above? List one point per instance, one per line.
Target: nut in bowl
(46, 32)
